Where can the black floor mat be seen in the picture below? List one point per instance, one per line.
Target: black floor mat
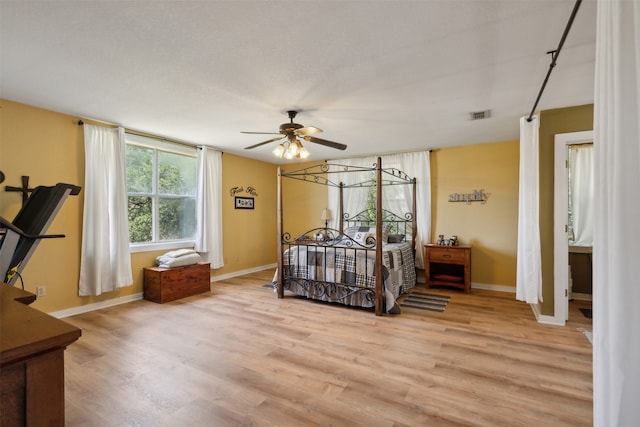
(587, 312)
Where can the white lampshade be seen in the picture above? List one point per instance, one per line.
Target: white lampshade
(279, 150)
(289, 153)
(294, 149)
(326, 215)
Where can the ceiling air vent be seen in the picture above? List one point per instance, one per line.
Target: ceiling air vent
(480, 115)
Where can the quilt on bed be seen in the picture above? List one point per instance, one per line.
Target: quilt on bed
(318, 267)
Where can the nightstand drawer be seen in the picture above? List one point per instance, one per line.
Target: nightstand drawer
(446, 255)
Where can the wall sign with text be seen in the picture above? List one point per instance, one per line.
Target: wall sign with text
(244, 202)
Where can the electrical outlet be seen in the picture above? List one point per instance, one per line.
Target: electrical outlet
(41, 291)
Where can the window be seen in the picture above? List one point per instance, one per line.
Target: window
(161, 191)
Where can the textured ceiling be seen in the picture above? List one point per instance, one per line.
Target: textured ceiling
(379, 76)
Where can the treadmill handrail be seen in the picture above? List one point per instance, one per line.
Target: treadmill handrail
(10, 226)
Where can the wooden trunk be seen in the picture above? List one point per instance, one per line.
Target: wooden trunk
(168, 284)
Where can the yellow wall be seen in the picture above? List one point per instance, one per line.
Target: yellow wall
(492, 227)
(249, 234)
(302, 203)
(49, 148)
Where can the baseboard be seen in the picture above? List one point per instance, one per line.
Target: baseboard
(541, 318)
(122, 300)
(474, 285)
(242, 272)
(135, 297)
(96, 306)
(545, 318)
(582, 297)
(488, 287)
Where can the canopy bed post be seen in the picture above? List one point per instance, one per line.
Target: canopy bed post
(280, 283)
(341, 212)
(414, 221)
(380, 296)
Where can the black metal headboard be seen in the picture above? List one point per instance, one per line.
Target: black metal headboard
(397, 224)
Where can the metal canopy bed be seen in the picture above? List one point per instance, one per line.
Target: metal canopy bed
(367, 261)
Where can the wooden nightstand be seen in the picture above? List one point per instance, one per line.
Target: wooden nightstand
(448, 266)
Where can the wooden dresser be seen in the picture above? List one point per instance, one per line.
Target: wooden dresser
(448, 266)
(32, 345)
(168, 284)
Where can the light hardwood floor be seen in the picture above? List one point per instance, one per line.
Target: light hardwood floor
(239, 356)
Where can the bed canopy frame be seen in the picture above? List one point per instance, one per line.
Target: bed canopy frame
(321, 174)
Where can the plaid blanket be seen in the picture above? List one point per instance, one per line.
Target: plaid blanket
(352, 266)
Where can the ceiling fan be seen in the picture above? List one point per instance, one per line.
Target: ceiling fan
(292, 147)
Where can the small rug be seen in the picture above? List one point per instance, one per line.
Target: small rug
(426, 301)
(586, 312)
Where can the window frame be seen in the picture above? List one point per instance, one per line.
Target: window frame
(157, 144)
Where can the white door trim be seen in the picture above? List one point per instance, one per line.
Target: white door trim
(560, 210)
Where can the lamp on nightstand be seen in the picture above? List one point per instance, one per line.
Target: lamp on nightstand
(326, 216)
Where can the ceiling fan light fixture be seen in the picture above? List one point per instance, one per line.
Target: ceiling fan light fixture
(279, 150)
(288, 154)
(294, 149)
(304, 153)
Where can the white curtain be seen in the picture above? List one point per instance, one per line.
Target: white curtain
(355, 199)
(529, 269)
(417, 165)
(581, 161)
(396, 198)
(209, 207)
(105, 263)
(616, 248)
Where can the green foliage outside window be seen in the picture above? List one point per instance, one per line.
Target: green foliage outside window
(174, 194)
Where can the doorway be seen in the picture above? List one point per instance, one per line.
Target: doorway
(560, 220)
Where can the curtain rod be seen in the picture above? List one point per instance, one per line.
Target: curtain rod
(135, 132)
(554, 56)
(387, 153)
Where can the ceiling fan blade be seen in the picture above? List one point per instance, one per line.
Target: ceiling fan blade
(321, 141)
(309, 130)
(261, 133)
(263, 142)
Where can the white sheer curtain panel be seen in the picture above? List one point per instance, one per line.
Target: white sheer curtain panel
(616, 248)
(529, 269)
(355, 199)
(397, 198)
(581, 161)
(416, 165)
(105, 262)
(209, 207)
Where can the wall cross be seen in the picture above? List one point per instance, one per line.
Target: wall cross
(25, 190)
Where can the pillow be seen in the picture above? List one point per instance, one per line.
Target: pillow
(395, 238)
(351, 231)
(362, 233)
(385, 232)
(365, 238)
